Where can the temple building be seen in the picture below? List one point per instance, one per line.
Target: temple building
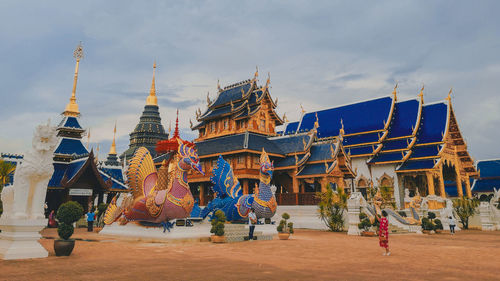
(403, 146)
(149, 131)
(489, 178)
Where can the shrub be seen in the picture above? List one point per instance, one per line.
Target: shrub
(217, 222)
(284, 227)
(431, 215)
(267, 220)
(67, 214)
(365, 224)
(438, 224)
(427, 224)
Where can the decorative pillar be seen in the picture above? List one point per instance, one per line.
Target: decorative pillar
(295, 184)
(324, 183)
(430, 183)
(459, 182)
(441, 184)
(245, 186)
(202, 195)
(467, 187)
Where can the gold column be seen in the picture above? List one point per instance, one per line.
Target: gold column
(441, 184)
(202, 194)
(467, 187)
(430, 183)
(295, 185)
(324, 183)
(245, 186)
(459, 182)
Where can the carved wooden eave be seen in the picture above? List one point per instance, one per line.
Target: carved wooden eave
(105, 185)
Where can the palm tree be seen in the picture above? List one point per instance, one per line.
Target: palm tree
(6, 168)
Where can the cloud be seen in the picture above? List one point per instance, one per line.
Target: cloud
(320, 56)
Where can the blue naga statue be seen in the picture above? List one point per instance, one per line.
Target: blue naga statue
(229, 197)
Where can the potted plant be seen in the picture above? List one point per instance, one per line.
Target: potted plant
(365, 225)
(217, 229)
(284, 228)
(67, 214)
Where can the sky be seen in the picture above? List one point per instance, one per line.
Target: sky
(319, 54)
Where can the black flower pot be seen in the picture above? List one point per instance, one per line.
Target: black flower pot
(63, 247)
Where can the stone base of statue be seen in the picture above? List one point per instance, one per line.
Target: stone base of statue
(19, 239)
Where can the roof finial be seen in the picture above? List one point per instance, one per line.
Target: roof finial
(72, 107)
(256, 72)
(284, 118)
(316, 123)
(448, 98)
(394, 92)
(152, 100)
(421, 95)
(268, 79)
(302, 109)
(341, 131)
(208, 99)
(88, 139)
(170, 127)
(218, 85)
(112, 150)
(176, 131)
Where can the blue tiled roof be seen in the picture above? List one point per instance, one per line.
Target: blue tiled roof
(291, 128)
(489, 168)
(425, 151)
(359, 150)
(417, 165)
(396, 144)
(360, 139)
(384, 157)
(486, 185)
(285, 162)
(217, 112)
(358, 117)
(59, 170)
(404, 118)
(71, 122)
(115, 173)
(116, 184)
(292, 143)
(220, 145)
(73, 168)
(433, 123)
(70, 147)
(257, 142)
(313, 169)
(321, 152)
(232, 94)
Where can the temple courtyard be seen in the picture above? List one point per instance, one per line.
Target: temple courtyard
(308, 255)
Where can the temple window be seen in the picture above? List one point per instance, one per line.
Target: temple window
(241, 159)
(226, 124)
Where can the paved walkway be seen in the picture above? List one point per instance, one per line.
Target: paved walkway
(309, 255)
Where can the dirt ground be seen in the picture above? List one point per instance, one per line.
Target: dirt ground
(308, 255)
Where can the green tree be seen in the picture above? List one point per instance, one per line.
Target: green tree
(6, 169)
(465, 208)
(331, 208)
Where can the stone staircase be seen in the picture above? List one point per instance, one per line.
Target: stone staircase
(397, 230)
(239, 233)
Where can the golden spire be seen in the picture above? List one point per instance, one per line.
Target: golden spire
(421, 95)
(152, 100)
(72, 107)
(394, 92)
(256, 72)
(448, 98)
(112, 150)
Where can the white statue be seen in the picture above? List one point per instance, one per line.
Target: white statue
(407, 195)
(25, 198)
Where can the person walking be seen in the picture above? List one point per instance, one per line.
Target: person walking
(90, 220)
(252, 220)
(383, 233)
(452, 222)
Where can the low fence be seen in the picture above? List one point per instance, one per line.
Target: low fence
(308, 198)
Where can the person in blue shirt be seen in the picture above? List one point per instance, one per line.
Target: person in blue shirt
(90, 220)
